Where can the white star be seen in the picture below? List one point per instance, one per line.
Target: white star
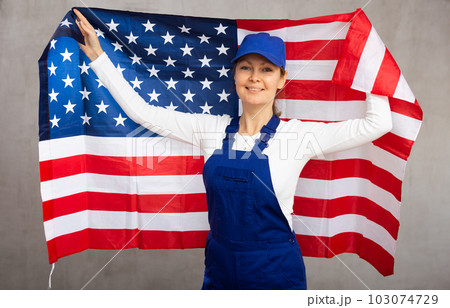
(168, 38)
(66, 55)
(55, 121)
(223, 96)
(120, 120)
(153, 71)
(99, 33)
(171, 106)
(148, 26)
(120, 69)
(153, 95)
(206, 108)
(223, 72)
(117, 46)
(188, 96)
(184, 29)
(86, 119)
(85, 93)
(206, 83)
(66, 23)
(53, 95)
(52, 44)
(205, 61)
(186, 50)
(220, 29)
(68, 81)
(135, 59)
(222, 50)
(136, 83)
(100, 84)
(84, 68)
(131, 38)
(52, 69)
(151, 50)
(112, 25)
(169, 61)
(188, 73)
(204, 38)
(102, 107)
(171, 83)
(69, 107)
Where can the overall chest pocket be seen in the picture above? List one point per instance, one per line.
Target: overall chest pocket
(233, 195)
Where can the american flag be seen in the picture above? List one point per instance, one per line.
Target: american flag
(107, 183)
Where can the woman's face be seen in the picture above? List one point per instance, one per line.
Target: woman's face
(257, 80)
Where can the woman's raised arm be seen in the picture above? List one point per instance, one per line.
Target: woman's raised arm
(186, 127)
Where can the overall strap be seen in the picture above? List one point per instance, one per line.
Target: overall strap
(230, 131)
(267, 132)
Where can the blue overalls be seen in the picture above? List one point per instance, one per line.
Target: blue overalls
(250, 244)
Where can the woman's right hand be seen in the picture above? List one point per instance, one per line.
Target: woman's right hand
(91, 46)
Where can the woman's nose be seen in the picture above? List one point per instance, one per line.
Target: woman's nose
(254, 76)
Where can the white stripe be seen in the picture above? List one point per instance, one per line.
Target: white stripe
(113, 146)
(141, 185)
(403, 91)
(321, 189)
(321, 110)
(193, 221)
(311, 32)
(329, 227)
(310, 70)
(369, 63)
(405, 126)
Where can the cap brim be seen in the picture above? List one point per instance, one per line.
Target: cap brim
(262, 53)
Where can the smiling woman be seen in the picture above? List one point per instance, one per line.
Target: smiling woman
(257, 81)
(251, 243)
(260, 65)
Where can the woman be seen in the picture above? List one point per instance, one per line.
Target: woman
(251, 175)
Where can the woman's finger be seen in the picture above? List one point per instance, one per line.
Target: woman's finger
(80, 27)
(83, 20)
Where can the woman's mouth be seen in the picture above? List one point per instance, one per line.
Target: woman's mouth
(251, 89)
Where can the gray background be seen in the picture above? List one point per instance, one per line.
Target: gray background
(416, 33)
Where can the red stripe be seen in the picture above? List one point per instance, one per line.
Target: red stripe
(349, 242)
(268, 25)
(347, 205)
(116, 239)
(406, 108)
(314, 50)
(351, 51)
(396, 145)
(113, 165)
(387, 77)
(344, 168)
(323, 90)
(98, 201)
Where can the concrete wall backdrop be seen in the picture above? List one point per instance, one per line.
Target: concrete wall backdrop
(417, 34)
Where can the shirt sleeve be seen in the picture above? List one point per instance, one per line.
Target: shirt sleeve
(339, 136)
(186, 127)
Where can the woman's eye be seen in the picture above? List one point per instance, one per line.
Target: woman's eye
(244, 67)
(267, 69)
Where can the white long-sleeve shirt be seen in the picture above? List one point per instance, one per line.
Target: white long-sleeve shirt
(294, 143)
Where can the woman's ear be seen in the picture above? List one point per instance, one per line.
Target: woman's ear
(282, 80)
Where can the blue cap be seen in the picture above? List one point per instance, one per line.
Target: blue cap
(271, 47)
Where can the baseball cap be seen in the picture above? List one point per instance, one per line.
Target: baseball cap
(271, 47)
